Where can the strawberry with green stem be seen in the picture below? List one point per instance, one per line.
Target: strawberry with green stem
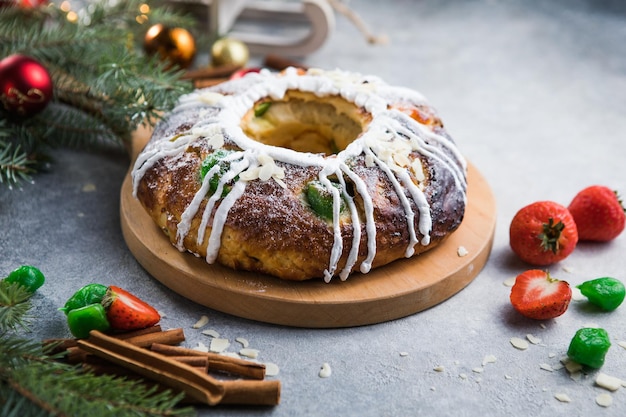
(543, 233)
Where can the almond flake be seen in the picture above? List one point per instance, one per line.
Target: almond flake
(562, 397)
(608, 382)
(201, 347)
(532, 339)
(604, 400)
(576, 376)
(489, 359)
(211, 333)
(325, 371)
(203, 321)
(271, 369)
(249, 353)
(546, 367)
(439, 368)
(219, 345)
(509, 282)
(571, 366)
(519, 343)
(210, 97)
(243, 341)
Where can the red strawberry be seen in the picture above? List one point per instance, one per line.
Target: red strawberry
(543, 233)
(127, 312)
(598, 213)
(537, 295)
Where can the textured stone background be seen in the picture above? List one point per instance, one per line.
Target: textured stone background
(534, 93)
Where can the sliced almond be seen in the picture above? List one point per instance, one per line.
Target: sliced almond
(608, 382)
(325, 371)
(243, 341)
(519, 343)
(219, 345)
(202, 321)
(604, 400)
(562, 397)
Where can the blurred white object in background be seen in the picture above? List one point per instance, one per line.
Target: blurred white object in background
(288, 28)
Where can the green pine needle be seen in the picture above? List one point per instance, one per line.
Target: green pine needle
(14, 306)
(104, 84)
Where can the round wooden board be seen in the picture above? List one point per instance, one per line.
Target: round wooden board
(396, 290)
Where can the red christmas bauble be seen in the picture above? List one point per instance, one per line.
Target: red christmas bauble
(26, 4)
(25, 85)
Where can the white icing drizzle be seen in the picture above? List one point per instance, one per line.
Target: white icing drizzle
(387, 144)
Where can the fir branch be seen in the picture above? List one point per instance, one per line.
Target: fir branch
(104, 85)
(14, 306)
(31, 382)
(15, 166)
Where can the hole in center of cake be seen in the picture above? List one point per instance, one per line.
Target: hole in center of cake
(305, 122)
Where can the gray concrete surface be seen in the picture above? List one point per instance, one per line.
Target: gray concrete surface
(534, 93)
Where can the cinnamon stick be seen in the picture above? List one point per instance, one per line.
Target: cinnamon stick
(166, 337)
(196, 385)
(142, 338)
(251, 392)
(195, 361)
(217, 362)
(126, 335)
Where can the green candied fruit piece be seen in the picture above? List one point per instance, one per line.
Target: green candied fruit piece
(29, 277)
(87, 294)
(209, 162)
(589, 347)
(607, 293)
(321, 199)
(262, 108)
(87, 318)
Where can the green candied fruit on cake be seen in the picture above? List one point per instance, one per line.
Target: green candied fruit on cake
(217, 157)
(261, 108)
(321, 199)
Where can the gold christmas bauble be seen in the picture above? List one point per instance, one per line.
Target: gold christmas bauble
(227, 51)
(175, 45)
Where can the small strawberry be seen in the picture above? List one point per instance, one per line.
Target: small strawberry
(543, 233)
(598, 213)
(537, 295)
(127, 312)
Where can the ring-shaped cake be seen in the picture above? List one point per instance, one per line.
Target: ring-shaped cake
(303, 174)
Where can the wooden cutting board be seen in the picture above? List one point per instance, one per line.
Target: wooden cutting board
(397, 290)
